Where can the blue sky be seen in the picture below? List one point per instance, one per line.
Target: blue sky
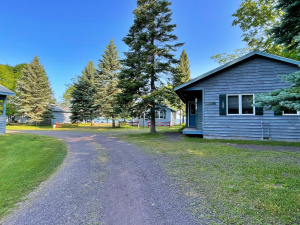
(67, 34)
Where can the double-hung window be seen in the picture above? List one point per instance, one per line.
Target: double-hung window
(240, 104)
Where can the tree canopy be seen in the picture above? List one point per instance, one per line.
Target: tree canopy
(257, 19)
(150, 58)
(109, 69)
(35, 96)
(84, 94)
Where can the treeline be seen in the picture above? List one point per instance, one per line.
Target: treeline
(143, 80)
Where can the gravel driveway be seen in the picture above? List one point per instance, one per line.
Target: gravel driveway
(103, 181)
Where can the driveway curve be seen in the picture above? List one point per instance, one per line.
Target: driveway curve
(103, 181)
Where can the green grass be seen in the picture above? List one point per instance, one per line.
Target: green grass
(26, 160)
(238, 186)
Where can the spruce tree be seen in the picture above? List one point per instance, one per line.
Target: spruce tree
(150, 57)
(109, 69)
(289, 25)
(182, 76)
(83, 96)
(35, 96)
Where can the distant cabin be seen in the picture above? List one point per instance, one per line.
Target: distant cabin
(219, 102)
(4, 92)
(162, 114)
(61, 114)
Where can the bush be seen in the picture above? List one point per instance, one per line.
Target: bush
(182, 127)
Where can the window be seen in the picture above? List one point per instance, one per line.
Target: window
(156, 114)
(192, 108)
(290, 112)
(233, 104)
(240, 104)
(162, 114)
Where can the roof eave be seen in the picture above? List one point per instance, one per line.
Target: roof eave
(295, 62)
(7, 94)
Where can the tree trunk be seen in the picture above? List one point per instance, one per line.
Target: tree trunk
(180, 117)
(152, 113)
(113, 123)
(153, 125)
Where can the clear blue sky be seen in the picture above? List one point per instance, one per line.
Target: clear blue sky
(66, 34)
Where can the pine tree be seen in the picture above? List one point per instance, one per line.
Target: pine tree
(83, 96)
(35, 96)
(109, 69)
(149, 59)
(182, 76)
(288, 28)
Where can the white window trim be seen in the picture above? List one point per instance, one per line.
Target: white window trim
(240, 105)
(298, 113)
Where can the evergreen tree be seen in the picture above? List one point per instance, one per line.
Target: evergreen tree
(35, 96)
(182, 75)
(149, 59)
(284, 99)
(109, 69)
(84, 94)
(289, 26)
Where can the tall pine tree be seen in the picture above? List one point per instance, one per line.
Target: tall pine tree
(149, 59)
(109, 69)
(83, 96)
(182, 76)
(35, 96)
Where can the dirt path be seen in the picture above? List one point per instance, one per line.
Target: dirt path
(103, 181)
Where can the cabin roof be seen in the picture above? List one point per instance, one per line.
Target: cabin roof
(271, 56)
(5, 91)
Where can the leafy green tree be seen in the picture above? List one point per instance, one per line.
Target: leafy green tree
(256, 18)
(35, 96)
(109, 69)
(67, 95)
(286, 98)
(84, 94)
(150, 57)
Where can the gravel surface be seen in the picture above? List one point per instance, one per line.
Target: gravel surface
(103, 181)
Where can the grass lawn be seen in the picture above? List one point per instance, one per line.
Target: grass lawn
(238, 186)
(26, 160)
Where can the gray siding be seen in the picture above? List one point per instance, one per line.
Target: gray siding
(199, 114)
(254, 75)
(2, 124)
(61, 117)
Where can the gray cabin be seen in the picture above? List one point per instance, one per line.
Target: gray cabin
(61, 114)
(219, 102)
(4, 92)
(163, 114)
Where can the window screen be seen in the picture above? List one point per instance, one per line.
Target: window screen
(247, 101)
